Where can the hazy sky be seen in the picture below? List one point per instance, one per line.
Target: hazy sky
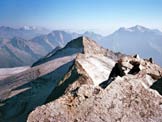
(99, 15)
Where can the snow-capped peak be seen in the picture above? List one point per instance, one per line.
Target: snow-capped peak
(28, 27)
(139, 28)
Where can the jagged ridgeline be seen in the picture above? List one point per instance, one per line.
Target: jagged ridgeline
(83, 82)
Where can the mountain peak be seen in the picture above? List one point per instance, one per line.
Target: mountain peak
(130, 76)
(139, 28)
(81, 44)
(88, 45)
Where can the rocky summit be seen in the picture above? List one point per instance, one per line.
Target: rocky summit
(126, 96)
(84, 82)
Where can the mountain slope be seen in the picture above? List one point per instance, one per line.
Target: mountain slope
(6, 72)
(138, 39)
(9, 33)
(36, 40)
(17, 52)
(69, 78)
(35, 85)
(20, 52)
(127, 98)
(79, 45)
(53, 39)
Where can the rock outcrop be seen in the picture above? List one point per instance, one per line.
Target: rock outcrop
(127, 98)
(124, 100)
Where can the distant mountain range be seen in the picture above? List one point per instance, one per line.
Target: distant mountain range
(26, 32)
(141, 40)
(17, 49)
(24, 46)
(19, 52)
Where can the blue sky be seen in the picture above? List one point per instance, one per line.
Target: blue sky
(99, 15)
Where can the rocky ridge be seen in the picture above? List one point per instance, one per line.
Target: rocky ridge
(128, 97)
(53, 74)
(84, 82)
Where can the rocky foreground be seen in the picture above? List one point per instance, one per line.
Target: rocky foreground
(127, 98)
(84, 82)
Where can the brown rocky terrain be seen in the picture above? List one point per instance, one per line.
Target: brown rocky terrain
(127, 98)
